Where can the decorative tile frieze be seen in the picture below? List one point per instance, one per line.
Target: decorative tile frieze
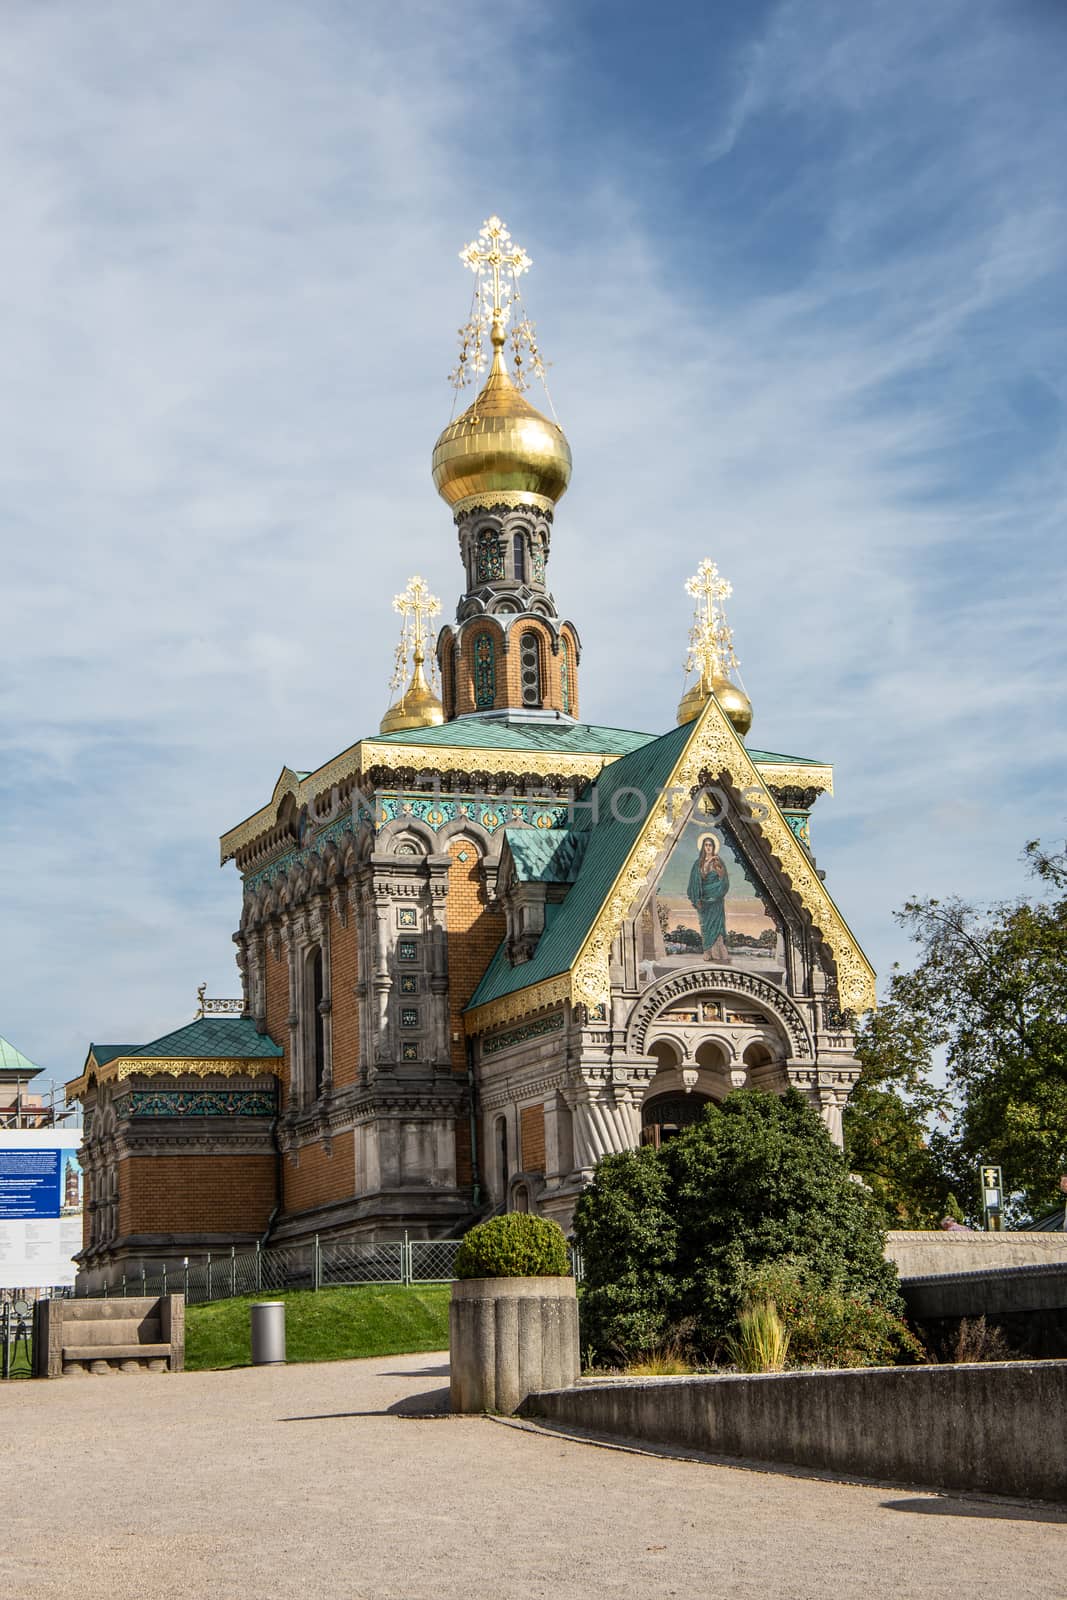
(535, 1029)
(201, 1103)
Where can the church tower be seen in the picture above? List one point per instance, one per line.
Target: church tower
(502, 467)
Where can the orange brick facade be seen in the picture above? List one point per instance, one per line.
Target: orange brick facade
(277, 986)
(532, 1138)
(195, 1194)
(508, 667)
(318, 1179)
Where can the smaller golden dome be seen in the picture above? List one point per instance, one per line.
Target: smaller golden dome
(734, 702)
(501, 449)
(418, 706)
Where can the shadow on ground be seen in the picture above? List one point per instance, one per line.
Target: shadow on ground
(1031, 1511)
(431, 1403)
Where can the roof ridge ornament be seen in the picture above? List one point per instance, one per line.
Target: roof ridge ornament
(418, 702)
(711, 651)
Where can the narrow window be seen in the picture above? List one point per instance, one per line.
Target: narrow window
(502, 1154)
(519, 558)
(565, 674)
(530, 665)
(317, 1023)
(484, 673)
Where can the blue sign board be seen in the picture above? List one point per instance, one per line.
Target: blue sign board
(29, 1184)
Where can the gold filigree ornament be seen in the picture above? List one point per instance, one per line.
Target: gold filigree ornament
(174, 1067)
(714, 747)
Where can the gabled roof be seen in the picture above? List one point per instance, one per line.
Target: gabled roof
(207, 1046)
(608, 843)
(572, 956)
(546, 855)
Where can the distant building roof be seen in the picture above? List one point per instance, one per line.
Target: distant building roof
(14, 1066)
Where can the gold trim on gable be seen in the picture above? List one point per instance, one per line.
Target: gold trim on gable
(714, 747)
(520, 1003)
(780, 773)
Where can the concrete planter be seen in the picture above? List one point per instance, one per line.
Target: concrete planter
(509, 1337)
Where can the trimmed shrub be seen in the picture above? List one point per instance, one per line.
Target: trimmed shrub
(517, 1245)
(671, 1238)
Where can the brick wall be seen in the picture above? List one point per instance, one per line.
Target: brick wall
(345, 1014)
(474, 931)
(277, 971)
(196, 1194)
(318, 1179)
(532, 1138)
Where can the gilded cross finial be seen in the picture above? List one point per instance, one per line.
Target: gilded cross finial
(419, 702)
(497, 263)
(711, 641)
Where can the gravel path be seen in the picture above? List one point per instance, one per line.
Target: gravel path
(333, 1480)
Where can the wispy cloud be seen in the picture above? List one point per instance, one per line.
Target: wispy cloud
(823, 343)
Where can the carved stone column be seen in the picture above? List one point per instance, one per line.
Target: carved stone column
(607, 1120)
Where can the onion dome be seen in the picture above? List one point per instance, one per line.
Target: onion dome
(501, 451)
(734, 702)
(418, 706)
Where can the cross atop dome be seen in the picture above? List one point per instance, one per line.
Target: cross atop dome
(711, 651)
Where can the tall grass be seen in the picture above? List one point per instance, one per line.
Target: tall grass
(761, 1343)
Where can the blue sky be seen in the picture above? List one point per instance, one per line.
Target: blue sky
(799, 269)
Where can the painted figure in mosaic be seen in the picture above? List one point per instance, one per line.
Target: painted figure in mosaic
(709, 884)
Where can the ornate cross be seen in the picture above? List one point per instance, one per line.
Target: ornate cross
(498, 264)
(494, 256)
(418, 607)
(711, 642)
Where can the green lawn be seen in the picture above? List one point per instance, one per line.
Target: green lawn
(327, 1325)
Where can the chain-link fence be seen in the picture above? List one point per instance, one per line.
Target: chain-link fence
(311, 1266)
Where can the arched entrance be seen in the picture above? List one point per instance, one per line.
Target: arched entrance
(663, 1116)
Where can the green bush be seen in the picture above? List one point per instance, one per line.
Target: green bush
(671, 1238)
(516, 1245)
(827, 1328)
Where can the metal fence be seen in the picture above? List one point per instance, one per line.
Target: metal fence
(312, 1266)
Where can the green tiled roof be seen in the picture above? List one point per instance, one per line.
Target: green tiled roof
(107, 1052)
(210, 1039)
(770, 757)
(12, 1060)
(546, 855)
(646, 770)
(490, 733)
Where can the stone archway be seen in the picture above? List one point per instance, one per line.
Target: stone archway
(664, 1115)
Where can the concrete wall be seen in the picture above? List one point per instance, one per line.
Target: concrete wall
(997, 1427)
(922, 1253)
(1028, 1304)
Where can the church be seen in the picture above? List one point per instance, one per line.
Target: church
(493, 942)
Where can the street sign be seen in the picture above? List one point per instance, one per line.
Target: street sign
(990, 1179)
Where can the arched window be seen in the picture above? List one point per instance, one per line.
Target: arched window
(518, 558)
(503, 1171)
(484, 672)
(530, 667)
(565, 674)
(489, 561)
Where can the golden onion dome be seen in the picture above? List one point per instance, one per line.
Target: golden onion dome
(734, 703)
(418, 706)
(501, 450)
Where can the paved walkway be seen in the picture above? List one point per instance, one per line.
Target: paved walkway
(333, 1481)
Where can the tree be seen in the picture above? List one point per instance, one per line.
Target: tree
(990, 991)
(887, 1121)
(672, 1238)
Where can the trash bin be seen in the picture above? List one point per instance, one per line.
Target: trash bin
(268, 1333)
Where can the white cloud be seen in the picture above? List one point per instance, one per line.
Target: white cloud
(231, 280)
